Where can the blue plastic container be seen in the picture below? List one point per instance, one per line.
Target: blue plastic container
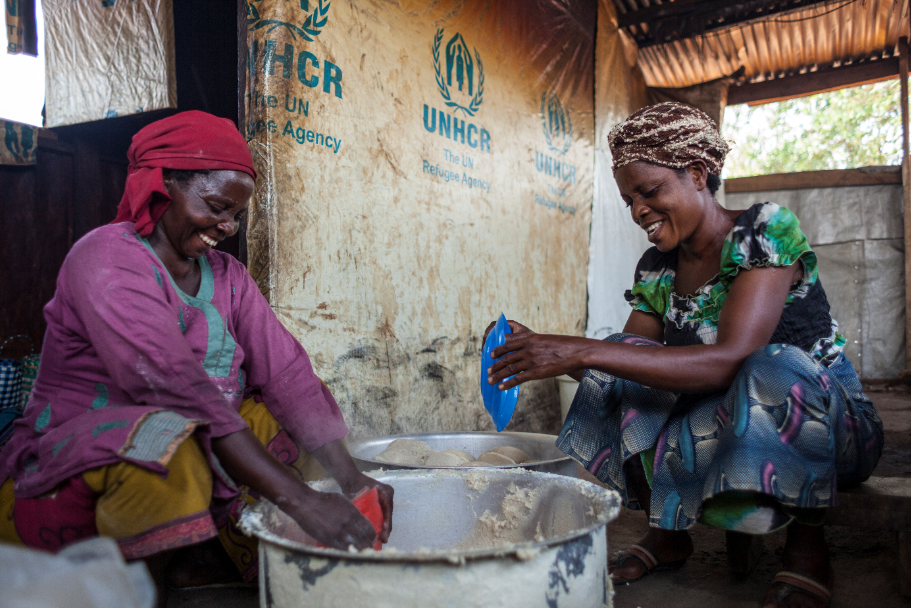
(500, 404)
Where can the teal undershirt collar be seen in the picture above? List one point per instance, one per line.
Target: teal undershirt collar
(221, 344)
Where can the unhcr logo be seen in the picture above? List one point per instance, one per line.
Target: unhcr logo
(558, 127)
(308, 30)
(558, 131)
(460, 76)
(309, 71)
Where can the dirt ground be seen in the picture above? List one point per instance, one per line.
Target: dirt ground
(864, 560)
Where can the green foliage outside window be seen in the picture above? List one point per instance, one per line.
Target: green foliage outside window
(843, 129)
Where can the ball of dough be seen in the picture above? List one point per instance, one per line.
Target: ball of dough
(442, 459)
(496, 459)
(514, 454)
(405, 451)
(465, 456)
(476, 463)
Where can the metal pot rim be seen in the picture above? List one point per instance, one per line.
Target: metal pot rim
(252, 518)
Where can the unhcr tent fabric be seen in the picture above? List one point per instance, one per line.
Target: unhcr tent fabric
(424, 167)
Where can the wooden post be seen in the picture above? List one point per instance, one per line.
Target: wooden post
(904, 563)
(242, 104)
(906, 182)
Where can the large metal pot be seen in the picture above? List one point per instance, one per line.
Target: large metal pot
(439, 553)
(544, 455)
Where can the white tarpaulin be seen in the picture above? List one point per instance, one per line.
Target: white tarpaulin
(857, 233)
(108, 58)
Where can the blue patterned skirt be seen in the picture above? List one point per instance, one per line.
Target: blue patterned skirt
(776, 443)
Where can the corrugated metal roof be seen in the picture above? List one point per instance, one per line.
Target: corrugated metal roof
(831, 34)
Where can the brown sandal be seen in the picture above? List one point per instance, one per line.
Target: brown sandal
(794, 581)
(648, 561)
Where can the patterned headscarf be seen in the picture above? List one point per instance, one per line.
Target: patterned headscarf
(193, 141)
(670, 134)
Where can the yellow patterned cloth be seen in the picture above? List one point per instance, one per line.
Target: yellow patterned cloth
(148, 513)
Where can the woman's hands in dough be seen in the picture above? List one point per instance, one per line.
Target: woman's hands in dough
(331, 519)
(385, 493)
(336, 459)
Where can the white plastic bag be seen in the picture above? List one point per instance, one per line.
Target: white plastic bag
(88, 574)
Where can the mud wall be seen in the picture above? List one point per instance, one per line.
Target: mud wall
(424, 166)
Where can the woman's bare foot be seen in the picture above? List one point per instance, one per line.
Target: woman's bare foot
(806, 554)
(667, 546)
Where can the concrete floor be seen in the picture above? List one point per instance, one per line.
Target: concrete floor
(864, 565)
(864, 561)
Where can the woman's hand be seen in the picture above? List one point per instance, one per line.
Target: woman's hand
(330, 518)
(336, 459)
(530, 356)
(517, 328)
(385, 493)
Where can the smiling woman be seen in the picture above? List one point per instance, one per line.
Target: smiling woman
(206, 208)
(727, 399)
(168, 392)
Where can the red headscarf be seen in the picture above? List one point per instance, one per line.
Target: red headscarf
(192, 141)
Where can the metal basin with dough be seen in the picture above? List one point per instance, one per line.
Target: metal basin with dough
(434, 558)
(544, 455)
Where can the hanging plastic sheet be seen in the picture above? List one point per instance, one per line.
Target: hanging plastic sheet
(424, 166)
(616, 243)
(20, 144)
(21, 27)
(860, 246)
(108, 58)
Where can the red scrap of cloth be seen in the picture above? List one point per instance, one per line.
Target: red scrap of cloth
(58, 519)
(189, 141)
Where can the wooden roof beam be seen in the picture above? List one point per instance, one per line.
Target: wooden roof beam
(811, 83)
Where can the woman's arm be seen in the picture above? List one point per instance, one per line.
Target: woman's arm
(645, 325)
(277, 364)
(328, 517)
(748, 319)
(639, 323)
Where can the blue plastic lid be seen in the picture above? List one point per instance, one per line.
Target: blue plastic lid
(500, 404)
